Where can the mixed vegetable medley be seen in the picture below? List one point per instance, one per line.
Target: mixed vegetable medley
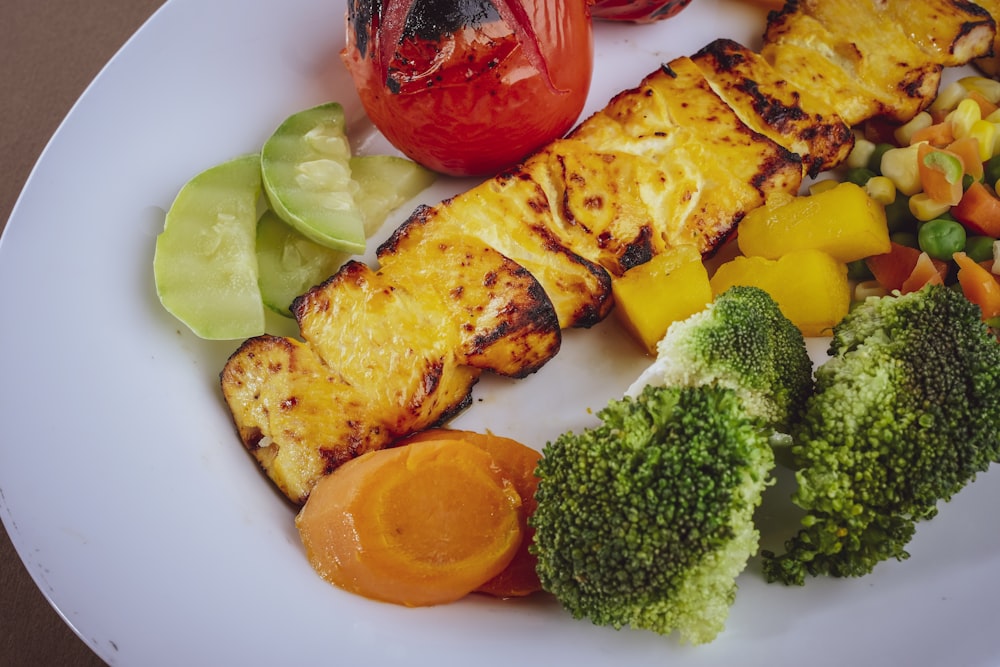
(937, 178)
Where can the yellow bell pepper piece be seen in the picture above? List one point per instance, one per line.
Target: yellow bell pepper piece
(810, 287)
(670, 287)
(844, 222)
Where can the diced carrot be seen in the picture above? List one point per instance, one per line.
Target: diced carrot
(938, 134)
(893, 268)
(926, 271)
(979, 211)
(417, 525)
(986, 107)
(940, 174)
(967, 148)
(979, 285)
(517, 463)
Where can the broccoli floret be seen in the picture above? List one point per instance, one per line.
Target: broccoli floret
(647, 519)
(744, 342)
(906, 413)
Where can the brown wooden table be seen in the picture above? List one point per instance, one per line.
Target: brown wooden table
(49, 51)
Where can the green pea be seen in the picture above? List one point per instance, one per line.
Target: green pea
(909, 239)
(858, 270)
(898, 216)
(979, 248)
(941, 238)
(991, 170)
(860, 175)
(875, 160)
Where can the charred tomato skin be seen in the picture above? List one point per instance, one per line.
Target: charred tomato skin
(470, 87)
(638, 11)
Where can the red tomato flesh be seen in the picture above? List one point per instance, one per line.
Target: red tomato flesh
(475, 94)
(639, 11)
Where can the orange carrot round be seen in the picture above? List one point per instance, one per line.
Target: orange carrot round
(517, 463)
(417, 525)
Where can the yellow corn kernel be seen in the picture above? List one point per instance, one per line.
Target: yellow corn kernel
(904, 133)
(823, 185)
(949, 97)
(985, 133)
(810, 287)
(986, 87)
(843, 222)
(901, 166)
(924, 208)
(860, 154)
(881, 189)
(670, 287)
(962, 118)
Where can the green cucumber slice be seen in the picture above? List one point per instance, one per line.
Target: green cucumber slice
(205, 264)
(384, 183)
(290, 263)
(305, 165)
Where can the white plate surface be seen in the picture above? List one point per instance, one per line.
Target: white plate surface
(127, 493)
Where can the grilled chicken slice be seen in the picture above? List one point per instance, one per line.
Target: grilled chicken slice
(699, 170)
(951, 32)
(505, 321)
(300, 420)
(989, 64)
(666, 163)
(385, 353)
(768, 104)
(853, 55)
(506, 214)
(386, 364)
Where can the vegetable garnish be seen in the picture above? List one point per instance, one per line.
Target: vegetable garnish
(468, 87)
(424, 523)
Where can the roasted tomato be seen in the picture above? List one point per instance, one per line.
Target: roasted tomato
(469, 87)
(640, 11)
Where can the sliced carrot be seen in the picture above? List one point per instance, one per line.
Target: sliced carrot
(893, 268)
(417, 525)
(940, 174)
(938, 134)
(979, 285)
(979, 211)
(926, 271)
(517, 464)
(967, 148)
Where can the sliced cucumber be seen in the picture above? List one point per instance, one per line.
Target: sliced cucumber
(384, 183)
(290, 263)
(205, 265)
(306, 173)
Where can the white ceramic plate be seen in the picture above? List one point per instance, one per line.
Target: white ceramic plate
(125, 489)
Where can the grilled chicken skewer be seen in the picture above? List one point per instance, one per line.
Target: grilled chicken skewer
(486, 280)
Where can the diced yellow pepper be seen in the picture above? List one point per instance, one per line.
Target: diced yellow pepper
(843, 222)
(809, 286)
(670, 287)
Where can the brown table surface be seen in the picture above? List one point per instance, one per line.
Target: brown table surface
(49, 51)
